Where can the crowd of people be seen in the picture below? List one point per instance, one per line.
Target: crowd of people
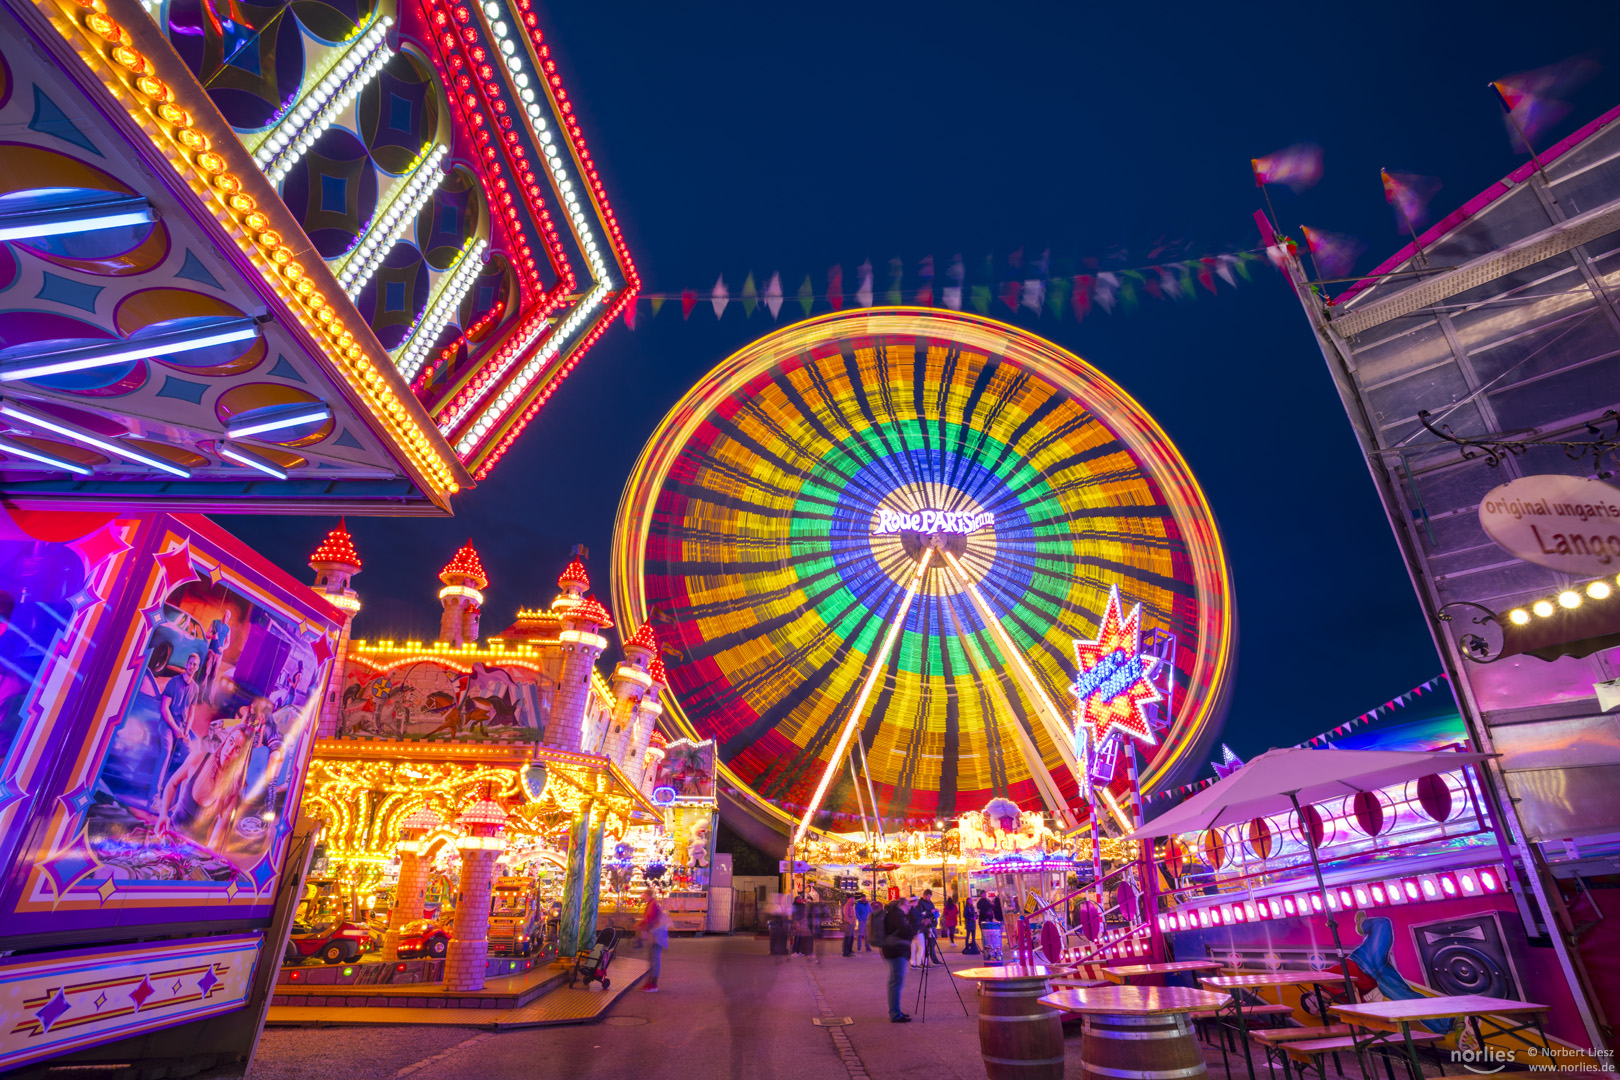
(905, 932)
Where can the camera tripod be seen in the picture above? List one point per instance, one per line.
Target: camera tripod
(931, 956)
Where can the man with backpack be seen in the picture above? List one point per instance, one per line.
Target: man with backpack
(892, 931)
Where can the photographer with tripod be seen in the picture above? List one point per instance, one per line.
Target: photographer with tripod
(898, 930)
(925, 916)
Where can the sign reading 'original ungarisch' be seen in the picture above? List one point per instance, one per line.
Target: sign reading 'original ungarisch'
(1567, 523)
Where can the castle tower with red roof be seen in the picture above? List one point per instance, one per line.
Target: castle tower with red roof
(462, 596)
(335, 563)
(582, 616)
(636, 708)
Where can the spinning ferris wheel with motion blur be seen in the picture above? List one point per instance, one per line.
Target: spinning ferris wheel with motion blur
(900, 538)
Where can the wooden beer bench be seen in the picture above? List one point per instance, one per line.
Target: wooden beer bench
(1309, 1051)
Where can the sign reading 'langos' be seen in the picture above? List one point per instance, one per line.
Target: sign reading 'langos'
(1567, 523)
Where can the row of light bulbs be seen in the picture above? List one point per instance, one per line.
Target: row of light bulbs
(1450, 885)
(379, 239)
(507, 397)
(304, 123)
(422, 339)
(523, 80)
(1569, 600)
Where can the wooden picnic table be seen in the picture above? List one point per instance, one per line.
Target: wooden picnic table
(1127, 972)
(1397, 1017)
(1137, 1030)
(1255, 980)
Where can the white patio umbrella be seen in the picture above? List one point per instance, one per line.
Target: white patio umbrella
(1280, 780)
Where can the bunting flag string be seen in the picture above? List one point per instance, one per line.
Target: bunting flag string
(1034, 290)
(1400, 701)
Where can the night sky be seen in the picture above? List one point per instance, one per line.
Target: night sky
(773, 137)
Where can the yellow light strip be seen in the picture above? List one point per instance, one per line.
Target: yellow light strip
(860, 702)
(128, 73)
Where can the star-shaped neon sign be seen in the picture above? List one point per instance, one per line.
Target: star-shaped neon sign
(1115, 683)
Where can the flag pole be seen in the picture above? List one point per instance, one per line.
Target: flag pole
(1514, 120)
(1327, 909)
(1417, 248)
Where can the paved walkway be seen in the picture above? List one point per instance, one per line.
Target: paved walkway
(727, 1009)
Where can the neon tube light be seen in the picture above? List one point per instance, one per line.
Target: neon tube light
(285, 416)
(25, 451)
(16, 364)
(244, 456)
(75, 217)
(111, 446)
(878, 664)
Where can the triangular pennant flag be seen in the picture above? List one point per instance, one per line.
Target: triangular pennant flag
(897, 273)
(835, 286)
(1033, 295)
(1057, 295)
(1106, 290)
(688, 301)
(1009, 295)
(863, 291)
(1223, 267)
(749, 296)
(1081, 300)
(655, 302)
(720, 297)
(630, 314)
(925, 281)
(807, 295)
(952, 293)
(1206, 274)
(980, 298)
(773, 295)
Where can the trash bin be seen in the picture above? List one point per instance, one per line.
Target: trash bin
(991, 931)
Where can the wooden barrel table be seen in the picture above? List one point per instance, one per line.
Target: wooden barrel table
(1138, 1032)
(1020, 1038)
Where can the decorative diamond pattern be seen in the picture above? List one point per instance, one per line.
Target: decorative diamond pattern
(142, 992)
(53, 1010)
(101, 999)
(208, 981)
(106, 891)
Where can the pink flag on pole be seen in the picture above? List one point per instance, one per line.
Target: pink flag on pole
(1296, 167)
(1409, 194)
(1335, 253)
(1534, 99)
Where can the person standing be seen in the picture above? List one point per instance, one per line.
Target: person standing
(801, 926)
(898, 930)
(850, 919)
(654, 930)
(947, 920)
(985, 911)
(863, 912)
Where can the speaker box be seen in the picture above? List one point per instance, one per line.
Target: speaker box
(1467, 956)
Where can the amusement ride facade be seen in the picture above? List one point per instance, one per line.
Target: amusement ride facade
(885, 533)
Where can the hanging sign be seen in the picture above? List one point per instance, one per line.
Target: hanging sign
(1114, 686)
(1567, 523)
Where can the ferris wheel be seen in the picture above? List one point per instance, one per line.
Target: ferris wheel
(881, 533)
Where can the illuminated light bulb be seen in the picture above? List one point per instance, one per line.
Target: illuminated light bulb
(1429, 889)
(1518, 616)
(1542, 608)
(1598, 590)
(1411, 890)
(1361, 896)
(1487, 880)
(1569, 598)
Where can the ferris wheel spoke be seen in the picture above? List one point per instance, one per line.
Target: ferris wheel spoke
(1044, 782)
(878, 662)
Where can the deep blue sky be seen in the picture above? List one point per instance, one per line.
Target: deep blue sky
(770, 137)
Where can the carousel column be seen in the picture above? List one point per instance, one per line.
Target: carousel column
(466, 962)
(591, 902)
(573, 887)
(413, 875)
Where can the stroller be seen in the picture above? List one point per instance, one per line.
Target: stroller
(592, 964)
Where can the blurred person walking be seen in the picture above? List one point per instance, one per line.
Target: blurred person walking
(947, 921)
(863, 913)
(850, 919)
(654, 930)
